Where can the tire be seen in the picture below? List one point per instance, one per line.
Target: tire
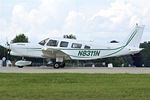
(62, 65)
(56, 65)
(20, 66)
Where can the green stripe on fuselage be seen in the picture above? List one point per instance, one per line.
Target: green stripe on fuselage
(84, 54)
(129, 40)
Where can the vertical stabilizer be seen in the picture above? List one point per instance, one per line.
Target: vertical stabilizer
(134, 38)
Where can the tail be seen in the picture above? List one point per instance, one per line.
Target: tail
(134, 39)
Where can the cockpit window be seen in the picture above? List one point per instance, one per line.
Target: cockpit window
(52, 43)
(87, 47)
(76, 45)
(63, 44)
(43, 42)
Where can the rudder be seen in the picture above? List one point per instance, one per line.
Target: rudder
(134, 39)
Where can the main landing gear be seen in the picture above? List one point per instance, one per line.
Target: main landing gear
(59, 63)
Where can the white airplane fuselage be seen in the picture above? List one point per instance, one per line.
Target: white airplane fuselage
(67, 49)
(94, 52)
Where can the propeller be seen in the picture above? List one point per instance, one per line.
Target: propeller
(7, 46)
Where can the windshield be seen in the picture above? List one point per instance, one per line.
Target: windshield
(43, 42)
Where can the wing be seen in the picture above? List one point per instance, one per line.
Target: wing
(54, 53)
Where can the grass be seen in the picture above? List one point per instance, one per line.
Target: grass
(74, 87)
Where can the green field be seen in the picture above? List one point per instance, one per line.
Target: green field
(74, 87)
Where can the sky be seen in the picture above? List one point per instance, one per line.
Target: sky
(94, 20)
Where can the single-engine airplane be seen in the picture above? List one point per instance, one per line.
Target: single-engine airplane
(67, 49)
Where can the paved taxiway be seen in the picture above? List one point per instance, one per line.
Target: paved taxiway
(44, 69)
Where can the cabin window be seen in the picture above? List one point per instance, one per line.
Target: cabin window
(87, 47)
(63, 44)
(52, 43)
(76, 45)
(43, 42)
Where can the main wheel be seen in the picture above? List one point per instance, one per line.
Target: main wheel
(62, 65)
(20, 66)
(56, 65)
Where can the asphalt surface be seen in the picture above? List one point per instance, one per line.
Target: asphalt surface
(44, 69)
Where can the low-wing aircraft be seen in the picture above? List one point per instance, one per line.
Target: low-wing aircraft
(67, 49)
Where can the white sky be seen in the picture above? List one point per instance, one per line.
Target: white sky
(100, 20)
